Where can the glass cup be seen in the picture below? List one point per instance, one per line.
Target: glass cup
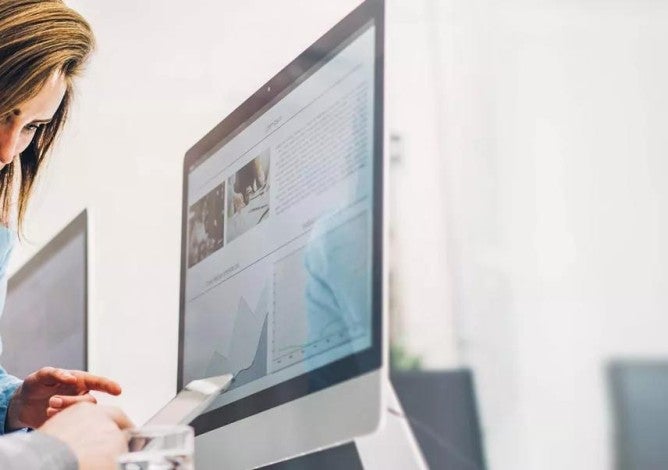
(168, 447)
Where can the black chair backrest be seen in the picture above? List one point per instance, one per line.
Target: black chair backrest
(639, 399)
(442, 409)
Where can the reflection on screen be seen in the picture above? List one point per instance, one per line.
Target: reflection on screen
(278, 279)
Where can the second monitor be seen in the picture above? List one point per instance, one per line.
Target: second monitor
(45, 318)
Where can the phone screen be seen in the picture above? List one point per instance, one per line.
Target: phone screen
(183, 408)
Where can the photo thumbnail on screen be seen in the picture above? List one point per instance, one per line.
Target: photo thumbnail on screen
(248, 196)
(206, 225)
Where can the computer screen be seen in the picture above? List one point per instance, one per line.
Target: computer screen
(281, 258)
(45, 318)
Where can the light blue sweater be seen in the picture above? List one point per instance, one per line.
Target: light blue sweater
(8, 383)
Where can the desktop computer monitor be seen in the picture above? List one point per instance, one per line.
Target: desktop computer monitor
(45, 318)
(282, 277)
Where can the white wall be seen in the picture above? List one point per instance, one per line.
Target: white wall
(419, 208)
(555, 123)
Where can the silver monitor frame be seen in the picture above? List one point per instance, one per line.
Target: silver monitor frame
(285, 424)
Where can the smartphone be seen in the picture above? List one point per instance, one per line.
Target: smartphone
(190, 402)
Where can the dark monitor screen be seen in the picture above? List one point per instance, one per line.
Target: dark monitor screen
(44, 321)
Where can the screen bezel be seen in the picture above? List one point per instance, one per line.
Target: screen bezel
(78, 226)
(287, 79)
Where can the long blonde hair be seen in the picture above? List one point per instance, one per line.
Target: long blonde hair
(37, 38)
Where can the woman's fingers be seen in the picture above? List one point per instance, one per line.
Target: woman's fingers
(89, 382)
(60, 402)
(72, 382)
(51, 376)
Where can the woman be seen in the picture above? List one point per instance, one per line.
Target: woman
(43, 47)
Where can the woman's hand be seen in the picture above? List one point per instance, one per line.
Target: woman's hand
(94, 433)
(48, 391)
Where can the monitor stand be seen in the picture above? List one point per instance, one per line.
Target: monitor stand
(393, 445)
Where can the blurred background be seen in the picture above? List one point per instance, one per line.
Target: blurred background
(527, 203)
